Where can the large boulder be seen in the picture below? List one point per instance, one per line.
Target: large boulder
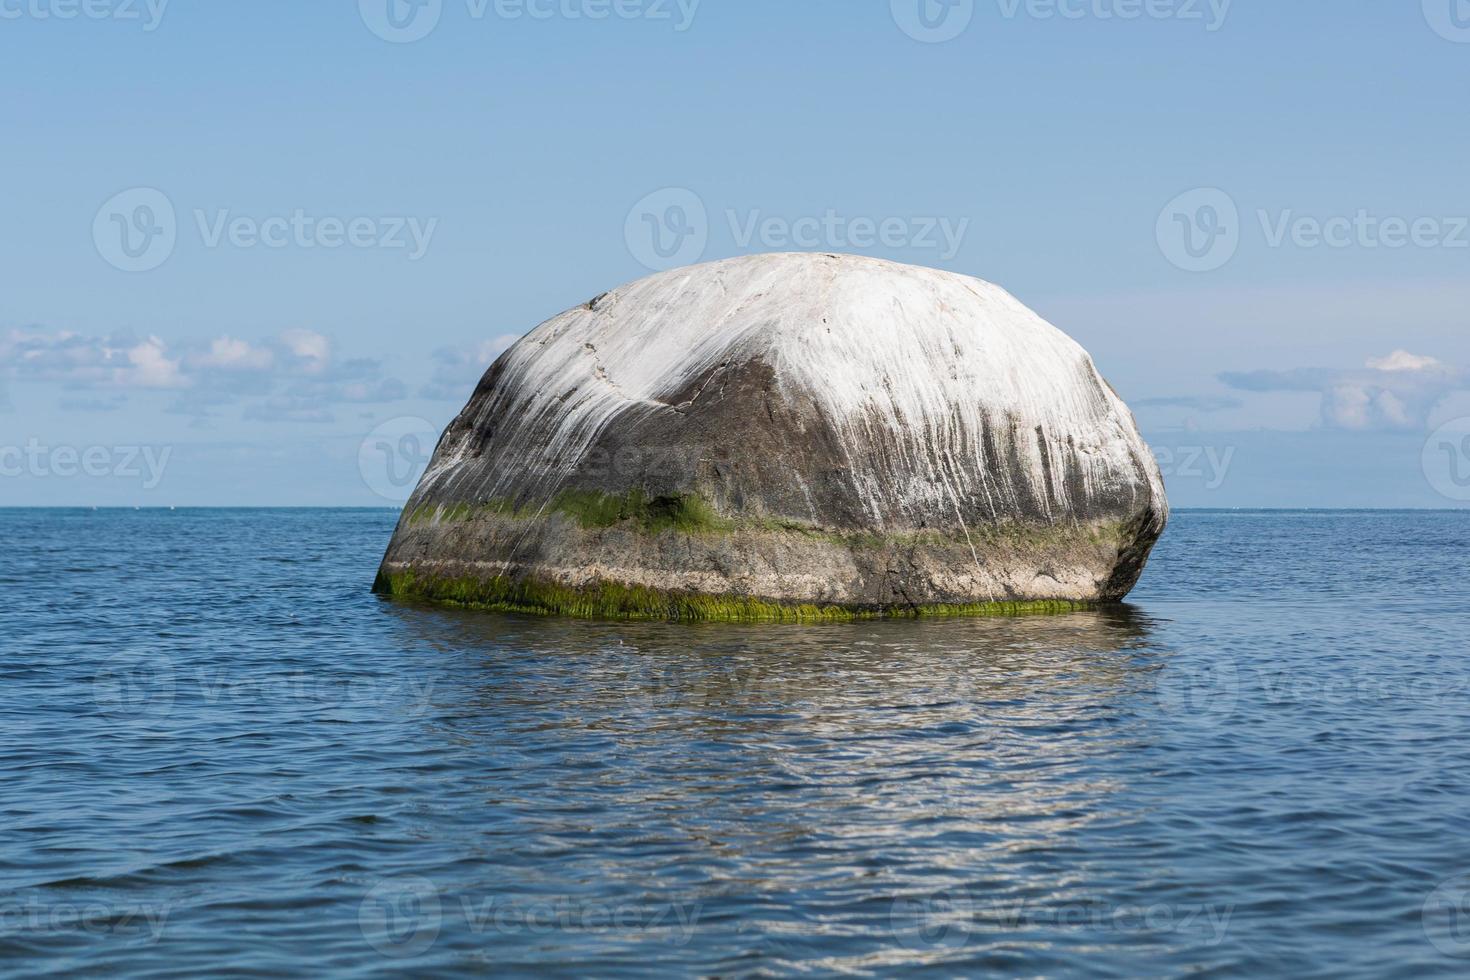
(786, 436)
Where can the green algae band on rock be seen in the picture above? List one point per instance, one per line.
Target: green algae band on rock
(786, 437)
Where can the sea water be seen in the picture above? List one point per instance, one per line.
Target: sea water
(220, 753)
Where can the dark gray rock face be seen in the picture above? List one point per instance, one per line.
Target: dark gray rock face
(785, 435)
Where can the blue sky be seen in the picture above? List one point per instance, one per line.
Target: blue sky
(331, 227)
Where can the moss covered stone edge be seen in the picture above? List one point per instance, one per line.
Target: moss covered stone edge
(613, 600)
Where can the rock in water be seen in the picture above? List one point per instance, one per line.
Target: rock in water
(786, 437)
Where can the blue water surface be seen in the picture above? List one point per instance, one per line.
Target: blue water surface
(220, 754)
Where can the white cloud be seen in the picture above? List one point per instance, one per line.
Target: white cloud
(295, 373)
(313, 350)
(1402, 360)
(149, 366)
(228, 354)
(81, 361)
(1394, 392)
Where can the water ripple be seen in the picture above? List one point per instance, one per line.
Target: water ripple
(220, 752)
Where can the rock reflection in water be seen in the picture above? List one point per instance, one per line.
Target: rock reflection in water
(858, 766)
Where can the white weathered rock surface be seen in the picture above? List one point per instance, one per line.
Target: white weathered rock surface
(855, 432)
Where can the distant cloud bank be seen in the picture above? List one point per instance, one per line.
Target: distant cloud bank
(294, 376)
(1396, 392)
